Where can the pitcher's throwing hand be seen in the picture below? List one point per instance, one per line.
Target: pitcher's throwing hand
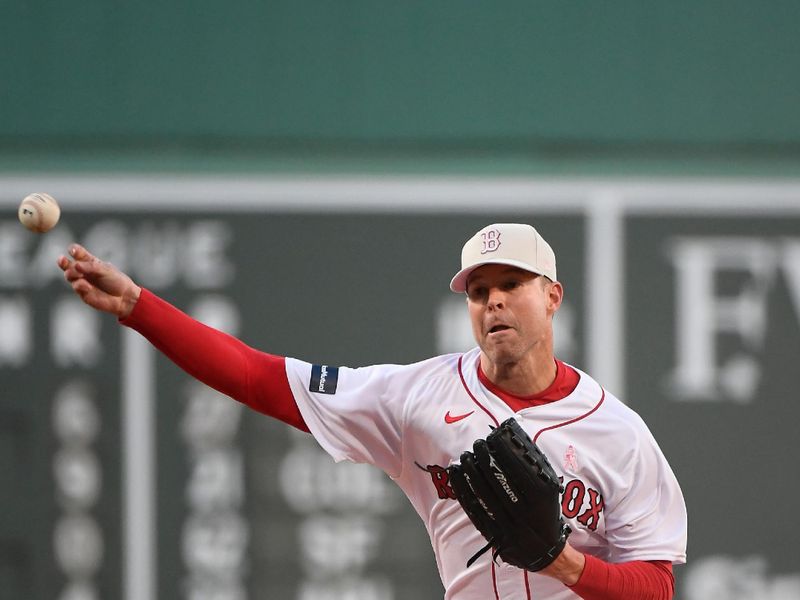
(99, 284)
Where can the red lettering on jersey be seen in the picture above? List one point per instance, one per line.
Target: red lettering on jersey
(441, 481)
(591, 518)
(572, 500)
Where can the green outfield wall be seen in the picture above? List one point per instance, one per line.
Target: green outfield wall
(548, 87)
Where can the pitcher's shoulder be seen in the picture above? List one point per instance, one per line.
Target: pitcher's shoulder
(611, 407)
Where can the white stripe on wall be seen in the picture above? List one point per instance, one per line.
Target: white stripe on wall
(604, 296)
(138, 469)
(391, 194)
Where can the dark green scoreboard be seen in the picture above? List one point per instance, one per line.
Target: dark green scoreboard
(123, 478)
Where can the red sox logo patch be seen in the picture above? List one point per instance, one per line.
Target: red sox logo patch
(580, 502)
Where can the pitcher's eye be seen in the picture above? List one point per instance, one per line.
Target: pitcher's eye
(476, 293)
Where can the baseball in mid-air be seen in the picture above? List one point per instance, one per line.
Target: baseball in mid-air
(39, 212)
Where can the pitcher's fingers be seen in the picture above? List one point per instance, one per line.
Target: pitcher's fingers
(82, 287)
(71, 274)
(90, 267)
(78, 252)
(63, 262)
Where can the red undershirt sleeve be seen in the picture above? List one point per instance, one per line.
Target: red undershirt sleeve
(636, 580)
(219, 360)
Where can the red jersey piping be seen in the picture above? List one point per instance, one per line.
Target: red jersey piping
(474, 399)
(576, 419)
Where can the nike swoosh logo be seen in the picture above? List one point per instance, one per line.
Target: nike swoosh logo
(454, 419)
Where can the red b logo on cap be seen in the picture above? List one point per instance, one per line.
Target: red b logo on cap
(491, 241)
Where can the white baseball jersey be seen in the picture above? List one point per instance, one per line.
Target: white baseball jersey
(621, 498)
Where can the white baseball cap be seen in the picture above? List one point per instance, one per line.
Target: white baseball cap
(512, 244)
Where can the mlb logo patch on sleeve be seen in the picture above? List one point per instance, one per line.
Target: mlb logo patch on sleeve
(323, 379)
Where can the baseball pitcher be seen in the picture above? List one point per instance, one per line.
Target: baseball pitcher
(532, 480)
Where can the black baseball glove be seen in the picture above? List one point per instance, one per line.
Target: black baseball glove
(511, 494)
